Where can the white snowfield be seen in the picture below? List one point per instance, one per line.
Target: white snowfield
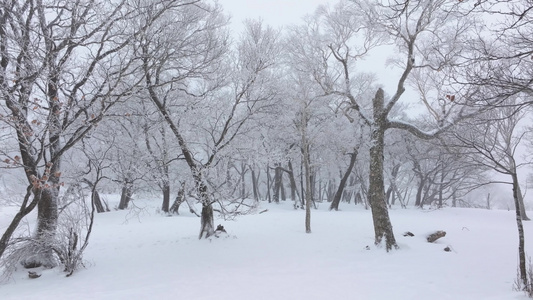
(145, 255)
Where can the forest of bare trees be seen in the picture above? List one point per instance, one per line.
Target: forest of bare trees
(159, 97)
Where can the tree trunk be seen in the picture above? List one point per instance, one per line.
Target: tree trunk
(125, 196)
(48, 208)
(521, 248)
(454, 200)
(388, 195)
(166, 198)
(320, 191)
(98, 202)
(282, 193)
(521, 202)
(292, 181)
(441, 189)
(269, 184)
(419, 191)
(178, 201)
(47, 215)
(312, 178)
(337, 198)
(277, 183)
(255, 184)
(378, 203)
(391, 191)
(308, 194)
(302, 188)
(242, 173)
(207, 223)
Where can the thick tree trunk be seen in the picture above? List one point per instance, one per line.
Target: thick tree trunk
(337, 198)
(378, 204)
(47, 215)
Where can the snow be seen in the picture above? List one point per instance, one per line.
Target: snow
(141, 254)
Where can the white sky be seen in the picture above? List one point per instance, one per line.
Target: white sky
(273, 12)
(287, 12)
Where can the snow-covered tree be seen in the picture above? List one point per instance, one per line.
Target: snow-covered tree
(428, 36)
(205, 90)
(63, 66)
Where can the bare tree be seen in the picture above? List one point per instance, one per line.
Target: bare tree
(492, 141)
(63, 67)
(183, 72)
(506, 49)
(428, 36)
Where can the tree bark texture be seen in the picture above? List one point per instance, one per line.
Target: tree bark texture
(378, 204)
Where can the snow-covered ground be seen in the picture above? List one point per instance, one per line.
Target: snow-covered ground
(140, 254)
